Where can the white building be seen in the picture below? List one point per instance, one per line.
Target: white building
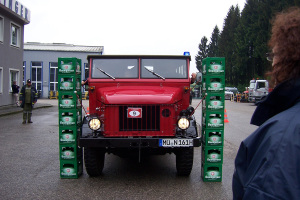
(40, 63)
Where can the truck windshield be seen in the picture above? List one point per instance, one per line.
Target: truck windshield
(151, 68)
(117, 68)
(252, 85)
(167, 68)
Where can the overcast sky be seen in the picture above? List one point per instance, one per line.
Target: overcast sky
(162, 27)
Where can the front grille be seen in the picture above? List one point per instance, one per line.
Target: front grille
(150, 120)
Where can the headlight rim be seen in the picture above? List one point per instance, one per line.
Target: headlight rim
(187, 120)
(98, 126)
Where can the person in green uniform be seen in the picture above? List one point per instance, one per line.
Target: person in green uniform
(28, 97)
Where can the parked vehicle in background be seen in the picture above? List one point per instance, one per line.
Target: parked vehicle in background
(228, 94)
(229, 91)
(258, 90)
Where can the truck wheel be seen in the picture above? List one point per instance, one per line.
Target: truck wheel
(184, 161)
(94, 161)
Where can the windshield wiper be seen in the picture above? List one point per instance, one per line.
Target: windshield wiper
(110, 76)
(151, 71)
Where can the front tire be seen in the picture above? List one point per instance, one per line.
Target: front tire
(184, 161)
(94, 161)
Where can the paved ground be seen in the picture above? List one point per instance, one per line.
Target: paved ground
(29, 163)
(12, 109)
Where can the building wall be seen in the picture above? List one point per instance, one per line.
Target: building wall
(11, 57)
(46, 57)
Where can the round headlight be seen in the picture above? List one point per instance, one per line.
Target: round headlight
(94, 124)
(183, 123)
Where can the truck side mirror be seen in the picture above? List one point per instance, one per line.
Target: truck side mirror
(199, 77)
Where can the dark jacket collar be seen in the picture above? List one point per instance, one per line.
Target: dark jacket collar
(284, 96)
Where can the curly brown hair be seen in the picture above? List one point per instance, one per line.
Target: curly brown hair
(285, 42)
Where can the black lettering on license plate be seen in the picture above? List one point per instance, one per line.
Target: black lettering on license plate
(176, 142)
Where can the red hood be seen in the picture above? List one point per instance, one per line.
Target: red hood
(139, 95)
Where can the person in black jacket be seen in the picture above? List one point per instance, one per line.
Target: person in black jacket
(268, 161)
(15, 90)
(28, 97)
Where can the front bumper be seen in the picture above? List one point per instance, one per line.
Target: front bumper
(253, 99)
(129, 142)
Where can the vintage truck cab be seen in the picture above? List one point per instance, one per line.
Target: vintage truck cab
(139, 105)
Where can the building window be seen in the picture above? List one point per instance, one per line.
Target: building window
(1, 80)
(1, 29)
(24, 72)
(36, 75)
(15, 35)
(53, 76)
(13, 76)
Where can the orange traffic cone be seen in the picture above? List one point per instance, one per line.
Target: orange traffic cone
(225, 117)
(88, 110)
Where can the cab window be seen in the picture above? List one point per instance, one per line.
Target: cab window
(116, 68)
(167, 68)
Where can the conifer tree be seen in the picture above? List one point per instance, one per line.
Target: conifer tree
(213, 47)
(202, 53)
(244, 40)
(226, 44)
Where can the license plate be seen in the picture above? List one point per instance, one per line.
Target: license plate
(175, 142)
(134, 113)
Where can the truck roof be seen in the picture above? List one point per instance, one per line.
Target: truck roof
(139, 56)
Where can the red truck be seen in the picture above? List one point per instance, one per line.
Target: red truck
(139, 105)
